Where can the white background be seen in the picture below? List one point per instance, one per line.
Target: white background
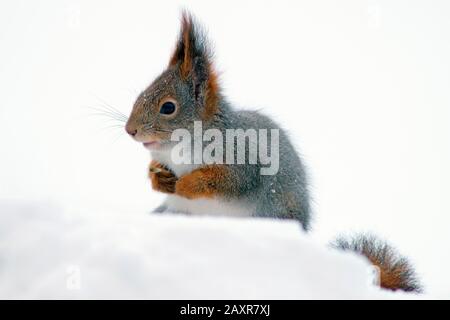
(362, 87)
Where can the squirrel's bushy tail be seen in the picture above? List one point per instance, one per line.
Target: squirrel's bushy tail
(395, 271)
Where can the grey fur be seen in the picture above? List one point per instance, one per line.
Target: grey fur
(160, 209)
(284, 195)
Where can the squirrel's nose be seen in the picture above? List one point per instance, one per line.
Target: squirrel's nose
(131, 132)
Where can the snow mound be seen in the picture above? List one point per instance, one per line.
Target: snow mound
(48, 252)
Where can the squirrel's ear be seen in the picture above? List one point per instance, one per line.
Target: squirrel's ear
(191, 45)
(194, 58)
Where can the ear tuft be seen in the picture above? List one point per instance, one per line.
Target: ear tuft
(191, 45)
(194, 58)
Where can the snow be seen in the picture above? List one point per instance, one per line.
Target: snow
(48, 252)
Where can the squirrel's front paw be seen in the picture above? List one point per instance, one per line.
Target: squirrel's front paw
(195, 185)
(163, 180)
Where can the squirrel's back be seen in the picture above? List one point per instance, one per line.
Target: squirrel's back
(286, 193)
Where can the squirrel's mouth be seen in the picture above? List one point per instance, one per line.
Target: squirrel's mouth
(152, 144)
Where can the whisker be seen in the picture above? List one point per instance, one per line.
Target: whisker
(113, 127)
(117, 138)
(108, 114)
(111, 108)
(112, 111)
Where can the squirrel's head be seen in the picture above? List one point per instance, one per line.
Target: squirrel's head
(185, 92)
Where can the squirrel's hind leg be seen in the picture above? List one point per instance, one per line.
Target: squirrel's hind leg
(286, 205)
(160, 209)
(165, 207)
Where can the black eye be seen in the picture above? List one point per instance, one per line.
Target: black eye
(167, 108)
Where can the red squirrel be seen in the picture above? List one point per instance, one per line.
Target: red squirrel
(188, 93)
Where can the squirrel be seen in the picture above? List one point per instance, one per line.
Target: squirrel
(188, 91)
